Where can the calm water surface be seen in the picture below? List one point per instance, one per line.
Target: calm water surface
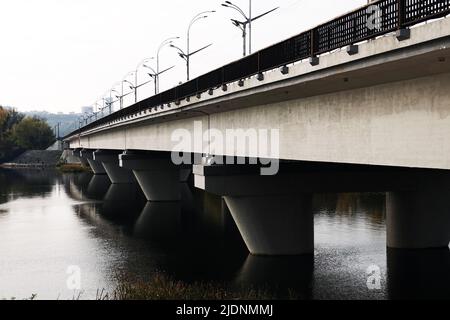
(50, 222)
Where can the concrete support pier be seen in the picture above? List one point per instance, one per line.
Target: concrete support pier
(96, 166)
(157, 176)
(273, 217)
(83, 161)
(418, 219)
(110, 161)
(274, 225)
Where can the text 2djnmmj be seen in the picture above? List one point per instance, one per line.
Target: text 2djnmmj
(227, 310)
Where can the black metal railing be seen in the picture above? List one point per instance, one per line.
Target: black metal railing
(360, 25)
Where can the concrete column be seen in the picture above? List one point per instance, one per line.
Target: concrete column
(274, 225)
(272, 215)
(110, 162)
(157, 176)
(96, 166)
(418, 219)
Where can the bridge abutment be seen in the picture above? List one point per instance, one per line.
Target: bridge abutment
(110, 162)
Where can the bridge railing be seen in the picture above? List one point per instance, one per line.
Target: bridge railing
(368, 22)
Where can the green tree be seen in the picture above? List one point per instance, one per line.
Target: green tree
(32, 133)
(8, 119)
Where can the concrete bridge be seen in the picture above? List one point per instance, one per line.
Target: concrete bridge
(352, 114)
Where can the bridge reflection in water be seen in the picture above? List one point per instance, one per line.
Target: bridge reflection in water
(195, 239)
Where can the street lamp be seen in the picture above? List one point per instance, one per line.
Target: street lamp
(136, 85)
(155, 75)
(117, 94)
(162, 45)
(247, 22)
(98, 107)
(123, 81)
(187, 55)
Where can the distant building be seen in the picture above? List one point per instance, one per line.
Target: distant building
(87, 110)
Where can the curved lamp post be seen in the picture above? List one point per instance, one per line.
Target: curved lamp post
(247, 22)
(136, 86)
(187, 55)
(117, 95)
(155, 75)
(166, 42)
(124, 81)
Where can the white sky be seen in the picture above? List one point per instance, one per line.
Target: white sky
(59, 55)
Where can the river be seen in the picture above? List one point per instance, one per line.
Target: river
(53, 224)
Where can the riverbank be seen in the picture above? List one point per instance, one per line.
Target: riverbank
(45, 159)
(35, 159)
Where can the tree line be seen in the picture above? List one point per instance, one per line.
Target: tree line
(19, 132)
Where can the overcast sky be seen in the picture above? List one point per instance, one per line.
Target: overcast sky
(60, 55)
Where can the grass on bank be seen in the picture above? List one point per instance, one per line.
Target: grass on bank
(163, 287)
(72, 168)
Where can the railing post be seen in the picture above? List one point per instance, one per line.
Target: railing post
(401, 13)
(223, 75)
(313, 43)
(259, 62)
(314, 60)
(402, 33)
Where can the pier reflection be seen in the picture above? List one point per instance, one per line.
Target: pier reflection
(418, 274)
(123, 203)
(160, 221)
(288, 277)
(98, 187)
